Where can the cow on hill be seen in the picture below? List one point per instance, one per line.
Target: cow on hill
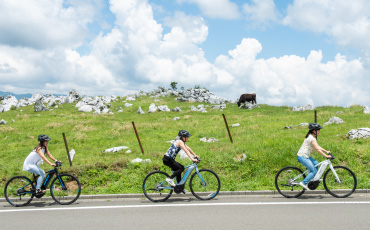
(247, 97)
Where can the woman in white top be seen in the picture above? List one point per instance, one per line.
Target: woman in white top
(36, 157)
(304, 154)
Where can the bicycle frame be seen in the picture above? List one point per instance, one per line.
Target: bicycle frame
(186, 176)
(323, 165)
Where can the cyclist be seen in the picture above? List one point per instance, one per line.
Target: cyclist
(309, 145)
(170, 155)
(36, 157)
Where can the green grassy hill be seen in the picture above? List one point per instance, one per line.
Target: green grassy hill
(261, 136)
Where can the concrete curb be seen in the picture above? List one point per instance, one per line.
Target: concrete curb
(189, 194)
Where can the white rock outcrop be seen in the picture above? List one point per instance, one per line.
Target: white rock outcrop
(115, 149)
(366, 110)
(3, 122)
(303, 108)
(248, 105)
(335, 120)
(208, 139)
(139, 160)
(152, 108)
(140, 111)
(359, 133)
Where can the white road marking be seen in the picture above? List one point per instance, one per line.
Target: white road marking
(185, 205)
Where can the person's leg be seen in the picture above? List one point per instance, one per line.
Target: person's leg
(38, 171)
(314, 162)
(177, 173)
(306, 162)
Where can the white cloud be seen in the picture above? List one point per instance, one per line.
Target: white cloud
(294, 80)
(347, 22)
(43, 24)
(223, 9)
(261, 12)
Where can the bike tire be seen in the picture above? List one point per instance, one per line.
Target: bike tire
(150, 186)
(346, 187)
(65, 189)
(205, 187)
(17, 187)
(284, 180)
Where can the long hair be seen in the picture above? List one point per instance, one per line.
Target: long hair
(311, 132)
(41, 144)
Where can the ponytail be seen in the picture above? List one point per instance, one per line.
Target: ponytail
(310, 132)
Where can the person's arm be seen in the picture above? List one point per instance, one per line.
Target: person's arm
(51, 156)
(191, 151)
(39, 151)
(183, 147)
(319, 149)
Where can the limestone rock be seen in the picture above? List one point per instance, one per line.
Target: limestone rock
(335, 120)
(248, 105)
(85, 108)
(152, 108)
(128, 105)
(140, 111)
(3, 122)
(366, 110)
(303, 108)
(139, 160)
(359, 133)
(163, 108)
(39, 106)
(176, 118)
(176, 109)
(208, 139)
(115, 149)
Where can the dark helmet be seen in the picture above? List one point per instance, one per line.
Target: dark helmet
(184, 133)
(314, 126)
(43, 138)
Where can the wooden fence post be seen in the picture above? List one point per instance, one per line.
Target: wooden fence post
(227, 127)
(315, 116)
(138, 138)
(65, 142)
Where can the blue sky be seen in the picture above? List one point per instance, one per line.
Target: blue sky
(289, 52)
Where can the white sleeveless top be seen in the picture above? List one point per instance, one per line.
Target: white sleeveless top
(33, 159)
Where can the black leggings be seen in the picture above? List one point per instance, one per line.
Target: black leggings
(175, 166)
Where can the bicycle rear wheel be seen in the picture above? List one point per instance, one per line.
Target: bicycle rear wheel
(156, 188)
(287, 180)
(19, 191)
(343, 188)
(205, 185)
(65, 189)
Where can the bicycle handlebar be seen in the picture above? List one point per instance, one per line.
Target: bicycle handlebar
(330, 154)
(58, 164)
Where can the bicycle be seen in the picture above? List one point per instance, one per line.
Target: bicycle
(204, 184)
(64, 189)
(339, 181)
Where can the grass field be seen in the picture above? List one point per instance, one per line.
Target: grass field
(261, 136)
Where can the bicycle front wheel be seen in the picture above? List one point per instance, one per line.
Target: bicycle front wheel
(156, 188)
(19, 191)
(65, 189)
(287, 182)
(205, 185)
(343, 187)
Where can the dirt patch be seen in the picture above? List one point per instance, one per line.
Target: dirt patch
(6, 129)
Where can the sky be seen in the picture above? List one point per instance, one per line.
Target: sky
(288, 52)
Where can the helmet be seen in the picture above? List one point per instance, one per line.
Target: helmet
(314, 126)
(184, 133)
(43, 137)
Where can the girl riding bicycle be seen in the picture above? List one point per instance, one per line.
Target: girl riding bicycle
(309, 145)
(170, 155)
(36, 157)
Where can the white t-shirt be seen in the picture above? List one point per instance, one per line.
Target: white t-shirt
(33, 159)
(307, 148)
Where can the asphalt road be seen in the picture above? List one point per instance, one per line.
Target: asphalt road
(224, 212)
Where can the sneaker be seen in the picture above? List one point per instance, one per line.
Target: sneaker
(304, 186)
(170, 181)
